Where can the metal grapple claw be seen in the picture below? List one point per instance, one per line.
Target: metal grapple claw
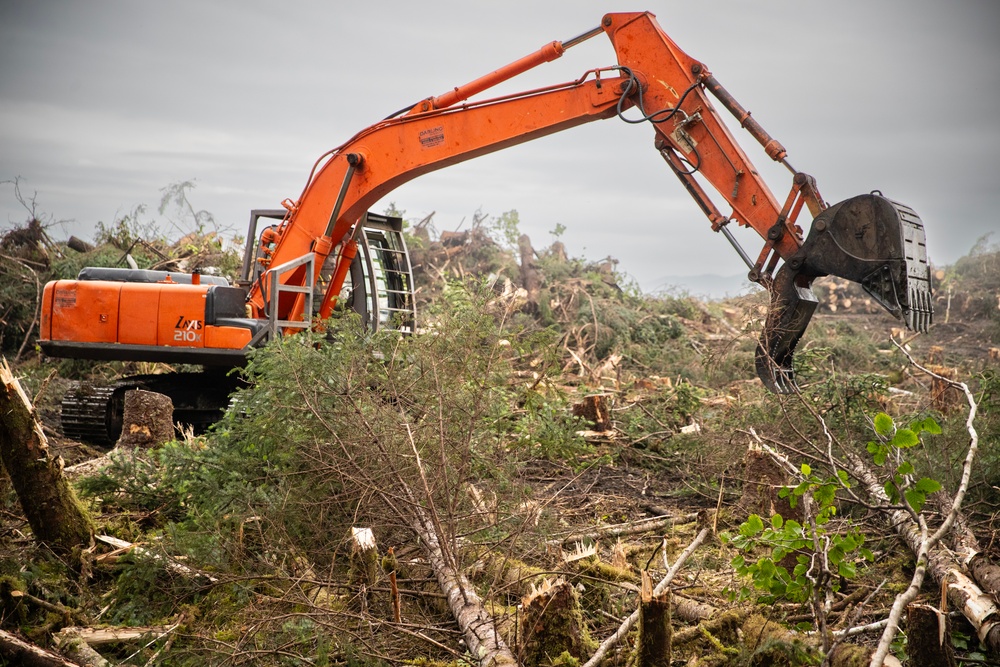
(792, 306)
(868, 239)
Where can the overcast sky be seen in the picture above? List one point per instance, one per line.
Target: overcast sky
(104, 103)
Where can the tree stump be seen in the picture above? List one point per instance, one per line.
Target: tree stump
(147, 420)
(928, 637)
(364, 564)
(654, 626)
(944, 396)
(49, 503)
(551, 623)
(763, 478)
(530, 279)
(595, 410)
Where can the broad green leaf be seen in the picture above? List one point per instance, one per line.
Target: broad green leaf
(890, 490)
(883, 424)
(806, 470)
(825, 494)
(905, 438)
(777, 521)
(753, 525)
(928, 424)
(927, 485)
(915, 499)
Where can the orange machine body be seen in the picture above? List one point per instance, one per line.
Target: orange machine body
(162, 321)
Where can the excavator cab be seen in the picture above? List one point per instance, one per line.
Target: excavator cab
(868, 239)
(378, 286)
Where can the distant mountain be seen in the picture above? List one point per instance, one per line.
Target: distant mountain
(705, 286)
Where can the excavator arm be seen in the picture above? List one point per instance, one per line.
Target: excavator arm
(869, 239)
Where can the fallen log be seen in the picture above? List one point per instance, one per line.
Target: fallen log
(478, 626)
(111, 635)
(767, 639)
(16, 651)
(76, 648)
(692, 611)
(122, 546)
(939, 562)
(88, 468)
(630, 528)
(78, 244)
(984, 572)
(931, 557)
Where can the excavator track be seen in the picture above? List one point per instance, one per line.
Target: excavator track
(85, 412)
(93, 413)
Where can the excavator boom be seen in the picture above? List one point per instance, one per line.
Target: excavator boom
(657, 83)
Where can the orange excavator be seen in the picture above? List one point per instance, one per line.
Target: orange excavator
(326, 247)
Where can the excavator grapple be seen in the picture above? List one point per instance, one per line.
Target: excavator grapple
(868, 239)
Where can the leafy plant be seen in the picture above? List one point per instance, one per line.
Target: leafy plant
(818, 550)
(889, 446)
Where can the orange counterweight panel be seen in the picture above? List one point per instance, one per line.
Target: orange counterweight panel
(85, 312)
(229, 338)
(139, 313)
(181, 310)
